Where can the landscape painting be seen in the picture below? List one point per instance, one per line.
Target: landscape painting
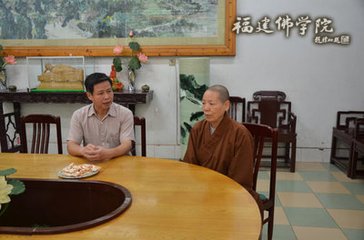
(79, 19)
(106, 23)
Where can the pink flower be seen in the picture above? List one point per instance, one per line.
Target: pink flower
(131, 34)
(10, 59)
(118, 49)
(142, 57)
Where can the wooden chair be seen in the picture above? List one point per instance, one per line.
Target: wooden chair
(11, 133)
(263, 134)
(41, 131)
(142, 124)
(346, 131)
(237, 108)
(358, 148)
(270, 108)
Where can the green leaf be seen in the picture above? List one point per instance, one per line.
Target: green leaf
(134, 63)
(18, 186)
(117, 64)
(134, 46)
(7, 172)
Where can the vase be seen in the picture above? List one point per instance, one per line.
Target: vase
(3, 84)
(122, 78)
(131, 79)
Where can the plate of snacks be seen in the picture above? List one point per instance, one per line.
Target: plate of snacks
(79, 171)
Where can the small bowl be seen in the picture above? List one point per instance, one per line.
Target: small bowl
(145, 88)
(12, 88)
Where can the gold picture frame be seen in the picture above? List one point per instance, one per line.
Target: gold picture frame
(224, 46)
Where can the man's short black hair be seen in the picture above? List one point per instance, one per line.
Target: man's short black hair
(95, 78)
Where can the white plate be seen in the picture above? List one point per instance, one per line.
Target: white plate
(93, 171)
(85, 175)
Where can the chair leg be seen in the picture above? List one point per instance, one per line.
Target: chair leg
(333, 149)
(286, 153)
(270, 224)
(293, 156)
(353, 159)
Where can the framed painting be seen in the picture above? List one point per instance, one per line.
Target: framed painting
(93, 28)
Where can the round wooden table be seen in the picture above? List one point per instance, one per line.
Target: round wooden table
(170, 199)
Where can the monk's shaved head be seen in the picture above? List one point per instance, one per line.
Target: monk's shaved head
(223, 92)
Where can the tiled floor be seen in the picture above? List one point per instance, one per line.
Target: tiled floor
(318, 201)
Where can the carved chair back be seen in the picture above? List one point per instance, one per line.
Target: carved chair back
(141, 123)
(237, 108)
(41, 125)
(272, 109)
(345, 120)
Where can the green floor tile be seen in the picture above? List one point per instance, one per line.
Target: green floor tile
(277, 203)
(263, 175)
(330, 167)
(340, 201)
(318, 176)
(355, 188)
(309, 217)
(292, 186)
(354, 234)
(280, 232)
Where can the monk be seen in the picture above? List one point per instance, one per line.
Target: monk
(219, 142)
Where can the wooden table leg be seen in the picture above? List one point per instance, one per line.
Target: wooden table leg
(3, 142)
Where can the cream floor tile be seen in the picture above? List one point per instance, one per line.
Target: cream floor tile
(295, 199)
(340, 176)
(361, 198)
(280, 217)
(352, 219)
(311, 233)
(310, 166)
(262, 185)
(327, 187)
(289, 176)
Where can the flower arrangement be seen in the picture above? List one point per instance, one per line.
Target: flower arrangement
(137, 56)
(4, 60)
(8, 187)
(116, 84)
(134, 63)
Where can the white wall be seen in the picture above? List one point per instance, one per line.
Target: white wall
(319, 80)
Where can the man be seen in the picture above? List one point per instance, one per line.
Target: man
(220, 143)
(104, 127)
